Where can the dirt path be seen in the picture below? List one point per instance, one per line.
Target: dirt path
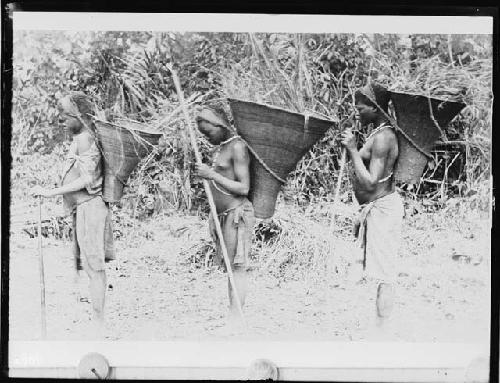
(157, 294)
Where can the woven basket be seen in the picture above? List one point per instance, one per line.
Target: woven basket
(280, 138)
(414, 118)
(122, 151)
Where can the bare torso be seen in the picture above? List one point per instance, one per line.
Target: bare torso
(382, 188)
(73, 198)
(223, 164)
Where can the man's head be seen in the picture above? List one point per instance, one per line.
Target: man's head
(369, 102)
(76, 109)
(214, 124)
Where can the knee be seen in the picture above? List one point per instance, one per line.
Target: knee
(240, 273)
(96, 275)
(240, 269)
(98, 310)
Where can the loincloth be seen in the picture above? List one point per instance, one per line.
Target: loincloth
(379, 235)
(237, 226)
(92, 234)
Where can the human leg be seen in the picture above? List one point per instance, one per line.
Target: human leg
(243, 221)
(91, 222)
(97, 287)
(109, 249)
(230, 235)
(217, 259)
(76, 259)
(383, 234)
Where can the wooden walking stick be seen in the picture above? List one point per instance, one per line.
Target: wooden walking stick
(343, 160)
(339, 179)
(42, 274)
(343, 157)
(208, 191)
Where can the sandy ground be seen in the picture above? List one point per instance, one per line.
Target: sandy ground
(156, 293)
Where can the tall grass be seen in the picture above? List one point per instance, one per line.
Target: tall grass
(277, 74)
(284, 71)
(470, 84)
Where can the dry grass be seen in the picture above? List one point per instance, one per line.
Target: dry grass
(278, 76)
(299, 243)
(470, 84)
(312, 247)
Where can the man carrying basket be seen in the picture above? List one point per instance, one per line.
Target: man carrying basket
(378, 227)
(81, 188)
(229, 178)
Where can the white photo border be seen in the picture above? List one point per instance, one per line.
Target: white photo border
(347, 361)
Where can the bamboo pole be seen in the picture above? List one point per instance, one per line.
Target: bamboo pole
(343, 160)
(208, 191)
(341, 175)
(42, 274)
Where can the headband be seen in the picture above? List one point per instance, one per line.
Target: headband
(367, 90)
(69, 105)
(210, 116)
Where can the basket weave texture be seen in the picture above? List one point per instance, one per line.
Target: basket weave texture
(280, 138)
(122, 151)
(414, 117)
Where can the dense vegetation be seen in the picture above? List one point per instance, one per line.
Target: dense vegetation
(126, 74)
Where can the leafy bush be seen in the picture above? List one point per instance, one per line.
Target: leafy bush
(127, 75)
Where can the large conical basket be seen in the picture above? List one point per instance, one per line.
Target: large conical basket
(280, 138)
(413, 115)
(122, 149)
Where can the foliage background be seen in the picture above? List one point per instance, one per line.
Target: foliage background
(303, 258)
(126, 74)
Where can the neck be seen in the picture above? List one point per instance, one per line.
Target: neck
(228, 137)
(381, 119)
(375, 123)
(83, 130)
(75, 134)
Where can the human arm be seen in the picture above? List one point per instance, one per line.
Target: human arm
(241, 167)
(88, 164)
(77, 184)
(368, 177)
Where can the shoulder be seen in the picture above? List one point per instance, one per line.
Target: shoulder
(387, 135)
(385, 140)
(239, 148)
(84, 142)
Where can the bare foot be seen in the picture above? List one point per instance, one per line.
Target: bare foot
(385, 300)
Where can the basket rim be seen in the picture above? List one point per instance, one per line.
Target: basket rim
(430, 97)
(231, 99)
(114, 125)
